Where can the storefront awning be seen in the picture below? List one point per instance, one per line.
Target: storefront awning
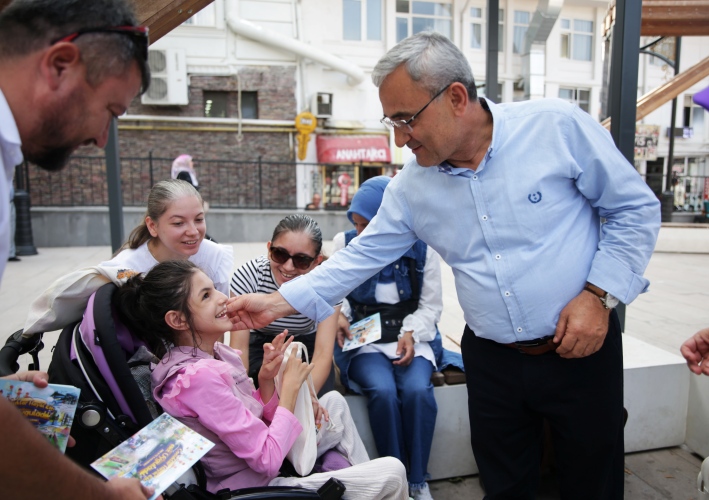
(353, 148)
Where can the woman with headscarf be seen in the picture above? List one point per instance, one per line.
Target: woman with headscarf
(395, 372)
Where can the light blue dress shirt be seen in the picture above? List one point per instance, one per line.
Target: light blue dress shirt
(522, 232)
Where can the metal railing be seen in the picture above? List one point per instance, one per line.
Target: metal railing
(223, 183)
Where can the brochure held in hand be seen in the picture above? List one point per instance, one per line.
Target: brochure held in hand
(50, 409)
(157, 455)
(364, 331)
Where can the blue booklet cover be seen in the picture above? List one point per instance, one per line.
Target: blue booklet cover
(51, 410)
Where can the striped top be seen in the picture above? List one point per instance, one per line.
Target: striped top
(256, 277)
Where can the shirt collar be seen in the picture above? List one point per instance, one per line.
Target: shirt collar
(10, 143)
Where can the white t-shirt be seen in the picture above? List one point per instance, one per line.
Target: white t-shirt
(216, 260)
(10, 156)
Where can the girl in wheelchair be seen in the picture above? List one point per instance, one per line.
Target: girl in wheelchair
(203, 383)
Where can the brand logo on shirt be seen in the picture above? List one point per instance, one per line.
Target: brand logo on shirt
(535, 197)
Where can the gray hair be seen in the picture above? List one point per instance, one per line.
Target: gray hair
(161, 196)
(431, 60)
(31, 25)
(300, 223)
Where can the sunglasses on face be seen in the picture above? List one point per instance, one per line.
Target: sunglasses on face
(280, 256)
(138, 34)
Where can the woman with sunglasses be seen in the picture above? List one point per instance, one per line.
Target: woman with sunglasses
(294, 250)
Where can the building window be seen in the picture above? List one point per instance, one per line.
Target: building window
(576, 39)
(521, 24)
(216, 104)
(354, 11)
(580, 97)
(414, 17)
(476, 25)
(219, 104)
(205, 17)
(501, 31)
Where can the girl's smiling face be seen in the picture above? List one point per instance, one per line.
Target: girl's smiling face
(208, 309)
(295, 244)
(178, 233)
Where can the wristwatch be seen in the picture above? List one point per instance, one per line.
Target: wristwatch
(608, 300)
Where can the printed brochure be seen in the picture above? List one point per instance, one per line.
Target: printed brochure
(157, 455)
(51, 410)
(364, 332)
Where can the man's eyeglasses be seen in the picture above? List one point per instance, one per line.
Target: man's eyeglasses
(405, 125)
(280, 256)
(139, 35)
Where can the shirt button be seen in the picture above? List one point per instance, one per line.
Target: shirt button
(396, 266)
(401, 292)
(484, 217)
(498, 256)
(507, 294)
(475, 177)
(519, 329)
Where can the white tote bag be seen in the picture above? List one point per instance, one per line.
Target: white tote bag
(304, 451)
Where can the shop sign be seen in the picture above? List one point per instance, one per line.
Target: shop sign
(347, 149)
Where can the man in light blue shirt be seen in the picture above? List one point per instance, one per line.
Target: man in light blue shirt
(512, 197)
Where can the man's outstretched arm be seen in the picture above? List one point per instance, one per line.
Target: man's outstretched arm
(256, 310)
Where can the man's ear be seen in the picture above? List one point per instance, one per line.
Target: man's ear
(458, 97)
(176, 320)
(58, 61)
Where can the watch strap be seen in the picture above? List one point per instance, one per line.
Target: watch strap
(599, 295)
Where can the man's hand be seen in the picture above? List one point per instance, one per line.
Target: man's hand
(40, 379)
(256, 310)
(128, 489)
(696, 351)
(582, 326)
(343, 330)
(405, 349)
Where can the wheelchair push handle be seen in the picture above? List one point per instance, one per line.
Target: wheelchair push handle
(17, 345)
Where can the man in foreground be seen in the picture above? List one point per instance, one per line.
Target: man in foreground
(68, 68)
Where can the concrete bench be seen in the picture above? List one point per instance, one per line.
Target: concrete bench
(656, 396)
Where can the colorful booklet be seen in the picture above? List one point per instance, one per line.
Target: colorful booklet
(51, 410)
(157, 455)
(364, 332)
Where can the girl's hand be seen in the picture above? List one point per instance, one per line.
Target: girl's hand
(319, 411)
(294, 375)
(273, 353)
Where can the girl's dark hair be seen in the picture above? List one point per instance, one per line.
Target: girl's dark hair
(300, 223)
(144, 300)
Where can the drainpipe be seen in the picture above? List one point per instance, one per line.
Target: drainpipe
(247, 29)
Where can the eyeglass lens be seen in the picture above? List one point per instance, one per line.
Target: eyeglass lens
(280, 256)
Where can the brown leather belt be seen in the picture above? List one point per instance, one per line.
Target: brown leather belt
(534, 347)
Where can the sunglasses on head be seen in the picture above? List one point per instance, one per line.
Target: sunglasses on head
(139, 35)
(280, 256)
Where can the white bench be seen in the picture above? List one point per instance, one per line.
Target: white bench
(656, 396)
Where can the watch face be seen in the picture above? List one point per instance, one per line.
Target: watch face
(610, 301)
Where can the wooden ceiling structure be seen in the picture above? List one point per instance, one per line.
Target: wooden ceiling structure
(659, 17)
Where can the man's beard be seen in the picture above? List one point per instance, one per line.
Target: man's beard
(50, 158)
(52, 149)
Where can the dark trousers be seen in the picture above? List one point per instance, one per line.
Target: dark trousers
(509, 395)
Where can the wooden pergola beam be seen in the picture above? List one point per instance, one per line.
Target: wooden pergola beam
(664, 93)
(161, 16)
(675, 18)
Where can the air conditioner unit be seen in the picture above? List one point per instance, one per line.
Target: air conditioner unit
(322, 105)
(168, 83)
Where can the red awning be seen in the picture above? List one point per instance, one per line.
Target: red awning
(353, 148)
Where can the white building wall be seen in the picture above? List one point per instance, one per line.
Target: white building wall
(215, 49)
